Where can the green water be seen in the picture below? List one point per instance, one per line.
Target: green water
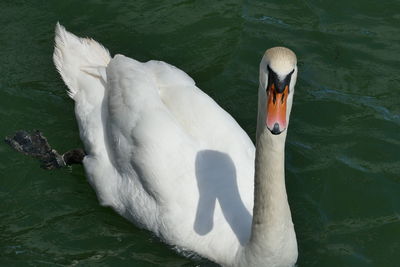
(343, 147)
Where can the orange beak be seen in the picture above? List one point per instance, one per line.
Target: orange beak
(276, 109)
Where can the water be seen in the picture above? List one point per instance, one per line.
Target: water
(343, 161)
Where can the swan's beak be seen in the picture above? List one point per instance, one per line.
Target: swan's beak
(276, 109)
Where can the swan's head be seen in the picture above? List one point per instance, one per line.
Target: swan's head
(278, 73)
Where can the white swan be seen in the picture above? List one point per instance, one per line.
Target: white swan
(165, 156)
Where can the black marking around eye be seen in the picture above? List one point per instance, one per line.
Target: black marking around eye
(279, 84)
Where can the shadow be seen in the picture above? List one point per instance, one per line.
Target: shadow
(216, 180)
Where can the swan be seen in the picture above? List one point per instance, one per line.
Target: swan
(168, 158)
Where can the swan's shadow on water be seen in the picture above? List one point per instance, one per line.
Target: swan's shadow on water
(216, 180)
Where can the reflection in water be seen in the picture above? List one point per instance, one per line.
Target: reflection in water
(216, 180)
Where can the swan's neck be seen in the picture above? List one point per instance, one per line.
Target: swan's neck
(273, 240)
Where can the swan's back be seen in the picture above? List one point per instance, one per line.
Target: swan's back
(160, 152)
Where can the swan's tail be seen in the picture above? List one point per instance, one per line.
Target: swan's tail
(78, 59)
(81, 63)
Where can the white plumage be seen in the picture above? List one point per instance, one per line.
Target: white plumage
(161, 152)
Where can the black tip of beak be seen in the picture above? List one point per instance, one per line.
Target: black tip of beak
(275, 130)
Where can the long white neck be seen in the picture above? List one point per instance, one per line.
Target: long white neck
(273, 240)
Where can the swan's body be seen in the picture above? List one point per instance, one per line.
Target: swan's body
(165, 156)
